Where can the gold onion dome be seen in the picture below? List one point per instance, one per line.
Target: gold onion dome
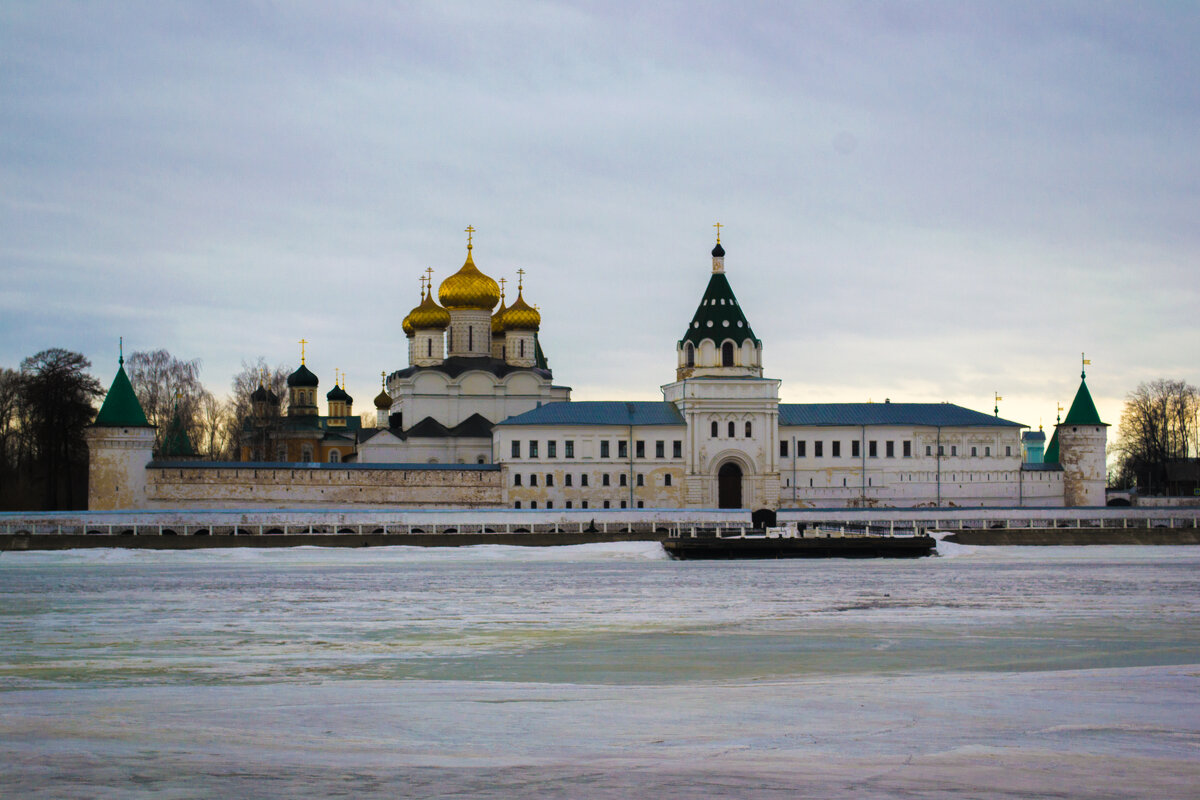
(498, 318)
(383, 400)
(521, 317)
(429, 314)
(469, 288)
(407, 327)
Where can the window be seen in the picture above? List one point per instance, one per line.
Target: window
(953, 449)
(783, 448)
(533, 503)
(641, 479)
(928, 450)
(800, 449)
(640, 449)
(667, 479)
(690, 353)
(569, 448)
(306, 453)
(623, 504)
(335, 456)
(749, 430)
(470, 338)
(583, 504)
(549, 504)
(818, 448)
(1008, 450)
(837, 449)
(941, 450)
(732, 433)
(714, 429)
(907, 449)
(890, 449)
(677, 449)
(604, 480)
(854, 449)
(872, 449)
(621, 480)
(516, 449)
(551, 449)
(517, 504)
(517, 479)
(568, 504)
(660, 449)
(521, 347)
(533, 480)
(604, 449)
(973, 453)
(622, 449)
(641, 504)
(583, 479)
(567, 479)
(606, 505)
(987, 451)
(533, 448)
(549, 479)
(727, 354)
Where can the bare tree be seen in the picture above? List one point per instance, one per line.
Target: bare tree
(162, 383)
(1158, 426)
(239, 410)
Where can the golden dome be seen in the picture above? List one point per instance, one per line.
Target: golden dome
(469, 288)
(521, 317)
(406, 325)
(498, 318)
(429, 315)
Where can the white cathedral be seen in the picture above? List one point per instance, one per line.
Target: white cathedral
(478, 390)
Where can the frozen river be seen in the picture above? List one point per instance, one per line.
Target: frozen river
(599, 671)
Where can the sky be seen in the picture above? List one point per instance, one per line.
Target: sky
(920, 202)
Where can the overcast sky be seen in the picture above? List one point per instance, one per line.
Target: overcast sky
(921, 201)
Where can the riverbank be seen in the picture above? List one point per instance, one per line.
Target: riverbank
(1049, 537)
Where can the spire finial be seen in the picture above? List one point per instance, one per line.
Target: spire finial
(502, 281)
(422, 280)
(121, 351)
(718, 226)
(302, 342)
(1083, 367)
(520, 280)
(1058, 416)
(996, 410)
(383, 378)
(470, 232)
(429, 280)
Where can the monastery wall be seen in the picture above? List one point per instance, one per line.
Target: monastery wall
(181, 485)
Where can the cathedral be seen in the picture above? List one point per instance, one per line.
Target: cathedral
(478, 398)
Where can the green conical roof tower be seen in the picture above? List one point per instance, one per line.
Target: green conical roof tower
(1083, 410)
(1051, 454)
(121, 408)
(176, 443)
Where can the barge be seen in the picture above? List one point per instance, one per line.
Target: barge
(792, 541)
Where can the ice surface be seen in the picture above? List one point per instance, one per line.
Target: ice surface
(599, 671)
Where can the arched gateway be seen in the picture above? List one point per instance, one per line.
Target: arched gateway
(729, 485)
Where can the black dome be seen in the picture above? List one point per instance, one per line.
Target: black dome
(302, 377)
(718, 251)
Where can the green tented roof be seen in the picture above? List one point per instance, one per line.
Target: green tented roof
(1083, 410)
(1051, 454)
(719, 316)
(121, 408)
(176, 443)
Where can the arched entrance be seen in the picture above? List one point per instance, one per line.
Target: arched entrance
(729, 486)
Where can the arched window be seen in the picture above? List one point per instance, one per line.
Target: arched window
(335, 456)
(691, 354)
(727, 354)
(748, 434)
(306, 453)
(714, 429)
(521, 349)
(731, 431)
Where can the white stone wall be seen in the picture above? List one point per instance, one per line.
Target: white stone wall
(448, 400)
(384, 448)
(1081, 453)
(117, 459)
(470, 332)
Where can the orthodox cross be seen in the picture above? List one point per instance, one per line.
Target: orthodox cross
(520, 280)
(302, 343)
(429, 272)
(502, 282)
(383, 378)
(718, 227)
(470, 230)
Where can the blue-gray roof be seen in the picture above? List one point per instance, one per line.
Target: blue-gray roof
(926, 414)
(601, 412)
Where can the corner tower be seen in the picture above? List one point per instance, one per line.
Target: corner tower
(1082, 439)
(731, 410)
(120, 445)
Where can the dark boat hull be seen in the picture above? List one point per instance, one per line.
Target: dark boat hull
(809, 547)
